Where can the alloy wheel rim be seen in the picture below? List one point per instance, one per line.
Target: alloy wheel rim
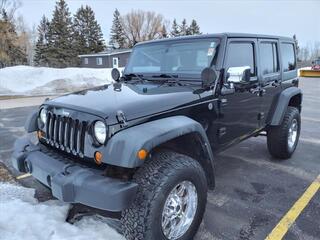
(293, 133)
(179, 210)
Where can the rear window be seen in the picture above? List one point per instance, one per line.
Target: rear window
(288, 57)
(269, 58)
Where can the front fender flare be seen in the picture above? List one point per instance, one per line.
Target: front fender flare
(122, 148)
(277, 113)
(31, 124)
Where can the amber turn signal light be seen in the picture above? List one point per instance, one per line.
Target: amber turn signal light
(142, 154)
(98, 157)
(40, 134)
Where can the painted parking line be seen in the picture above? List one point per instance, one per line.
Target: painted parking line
(285, 223)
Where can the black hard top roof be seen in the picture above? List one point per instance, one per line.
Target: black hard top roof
(220, 35)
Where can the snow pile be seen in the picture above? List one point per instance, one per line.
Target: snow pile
(26, 80)
(305, 68)
(23, 217)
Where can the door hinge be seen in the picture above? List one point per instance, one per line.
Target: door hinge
(261, 115)
(222, 131)
(224, 101)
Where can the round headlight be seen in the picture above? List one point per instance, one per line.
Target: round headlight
(100, 132)
(43, 115)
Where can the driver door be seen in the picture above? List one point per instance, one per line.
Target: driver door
(239, 109)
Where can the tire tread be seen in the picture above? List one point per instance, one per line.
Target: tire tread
(277, 135)
(151, 177)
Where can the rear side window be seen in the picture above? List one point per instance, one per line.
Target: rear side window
(269, 58)
(288, 57)
(240, 55)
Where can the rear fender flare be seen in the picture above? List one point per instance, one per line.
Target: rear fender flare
(277, 113)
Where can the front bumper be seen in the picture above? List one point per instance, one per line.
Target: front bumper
(71, 182)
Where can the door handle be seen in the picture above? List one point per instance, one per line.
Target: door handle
(276, 83)
(258, 91)
(255, 90)
(262, 92)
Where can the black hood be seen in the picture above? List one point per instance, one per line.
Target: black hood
(134, 100)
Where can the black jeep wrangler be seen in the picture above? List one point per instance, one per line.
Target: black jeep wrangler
(144, 145)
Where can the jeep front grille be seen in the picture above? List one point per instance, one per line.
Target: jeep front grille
(66, 134)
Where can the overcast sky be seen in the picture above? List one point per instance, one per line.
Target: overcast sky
(278, 17)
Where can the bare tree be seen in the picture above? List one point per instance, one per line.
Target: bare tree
(309, 52)
(15, 36)
(313, 49)
(9, 7)
(26, 38)
(316, 50)
(304, 54)
(141, 26)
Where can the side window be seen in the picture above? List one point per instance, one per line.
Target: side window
(288, 57)
(241, 54)
(268, 58)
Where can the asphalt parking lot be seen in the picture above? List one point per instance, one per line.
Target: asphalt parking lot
(253, 191)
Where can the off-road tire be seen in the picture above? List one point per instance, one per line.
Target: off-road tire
(277, 136)
(156, 178)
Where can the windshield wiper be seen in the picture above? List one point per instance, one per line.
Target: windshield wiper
(168, 78)
(165, 75)
(133, 75)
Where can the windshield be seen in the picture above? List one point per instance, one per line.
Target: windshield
(181, 58)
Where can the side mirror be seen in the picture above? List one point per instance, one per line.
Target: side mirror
(312, 62)
(115, 74)
(239, 74)
(208, 77)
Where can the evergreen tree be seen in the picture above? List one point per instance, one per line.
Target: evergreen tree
(175, 29)
(184, 30)
(88, 37)
(60, 52)
(40, 57)
(117, 38)
(194, 28)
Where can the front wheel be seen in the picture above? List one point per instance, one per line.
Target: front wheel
(171, 199)
(283, 139)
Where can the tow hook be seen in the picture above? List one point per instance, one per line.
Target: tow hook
(25, 148)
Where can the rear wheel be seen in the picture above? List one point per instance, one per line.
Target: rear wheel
(171, 199)
(283, 139)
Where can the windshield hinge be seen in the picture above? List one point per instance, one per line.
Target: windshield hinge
(122, 118)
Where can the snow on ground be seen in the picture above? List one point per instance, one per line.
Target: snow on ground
(26, 80)
(23, 217)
